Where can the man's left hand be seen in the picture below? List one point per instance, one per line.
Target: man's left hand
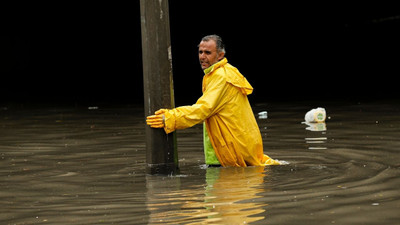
(156, 121)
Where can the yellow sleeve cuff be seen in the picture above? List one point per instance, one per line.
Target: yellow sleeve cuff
(169, 125)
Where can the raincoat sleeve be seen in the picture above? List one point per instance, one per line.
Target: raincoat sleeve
(207, 105)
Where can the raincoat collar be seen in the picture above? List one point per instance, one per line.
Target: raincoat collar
(216, 66)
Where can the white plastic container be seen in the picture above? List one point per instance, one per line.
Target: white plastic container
(317, 115)
(263, 115)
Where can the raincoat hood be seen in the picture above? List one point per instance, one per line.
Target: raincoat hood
(233, 76)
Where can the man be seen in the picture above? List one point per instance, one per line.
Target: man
(231, 134)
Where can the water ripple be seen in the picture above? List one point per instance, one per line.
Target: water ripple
(81, 166)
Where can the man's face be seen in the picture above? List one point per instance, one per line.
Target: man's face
(208, 54)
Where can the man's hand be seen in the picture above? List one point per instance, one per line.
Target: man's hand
(157, 120)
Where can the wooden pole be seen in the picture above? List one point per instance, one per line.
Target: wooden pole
(161, 152)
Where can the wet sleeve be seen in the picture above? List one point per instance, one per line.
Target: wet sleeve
(207, 105)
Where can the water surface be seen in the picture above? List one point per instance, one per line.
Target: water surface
(86, 165)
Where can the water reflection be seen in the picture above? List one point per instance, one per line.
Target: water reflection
(315, 126)
(316, 139)
(228, 196)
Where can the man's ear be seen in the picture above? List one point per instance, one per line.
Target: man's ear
(221, 56)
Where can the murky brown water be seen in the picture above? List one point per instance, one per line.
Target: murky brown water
(80, 165)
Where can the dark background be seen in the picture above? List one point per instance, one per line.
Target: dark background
(91, 53)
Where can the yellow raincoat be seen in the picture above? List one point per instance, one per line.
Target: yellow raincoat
(229, 119)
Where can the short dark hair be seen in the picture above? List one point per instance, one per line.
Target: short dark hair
(217, 39)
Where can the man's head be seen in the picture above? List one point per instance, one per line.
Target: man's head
(211, 50)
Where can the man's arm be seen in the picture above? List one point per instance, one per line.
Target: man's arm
(187, 116)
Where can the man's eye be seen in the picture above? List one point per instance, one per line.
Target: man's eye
(205, 52)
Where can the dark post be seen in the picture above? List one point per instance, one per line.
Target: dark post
(161, 153)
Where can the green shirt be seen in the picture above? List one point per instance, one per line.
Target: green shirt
(209, 153)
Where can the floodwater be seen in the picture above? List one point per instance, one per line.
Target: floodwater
(86, 165)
